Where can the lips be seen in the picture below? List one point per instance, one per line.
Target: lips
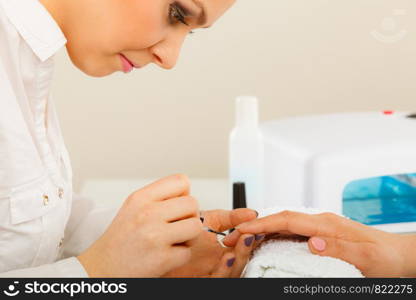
(127, 64)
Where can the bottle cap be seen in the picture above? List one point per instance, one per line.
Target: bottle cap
(239, 195)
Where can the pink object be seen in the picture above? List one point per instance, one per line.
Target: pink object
(318, 244)
(127, 65)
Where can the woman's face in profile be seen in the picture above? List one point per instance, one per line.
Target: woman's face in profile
(105, 36)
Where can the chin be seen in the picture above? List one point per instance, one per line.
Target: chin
(96, 73)
(91, 67)
(94, 70)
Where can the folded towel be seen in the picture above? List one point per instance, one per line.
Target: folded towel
(289, 258)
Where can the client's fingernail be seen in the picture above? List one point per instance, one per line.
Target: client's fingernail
(230, 262)
(259, 237)
(318, 244)
(248, 241)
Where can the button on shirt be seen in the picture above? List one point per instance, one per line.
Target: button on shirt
(43, 225)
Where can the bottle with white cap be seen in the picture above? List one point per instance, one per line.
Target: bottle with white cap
(246, 151)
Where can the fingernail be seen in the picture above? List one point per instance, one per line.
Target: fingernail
(259, 237)
(257, 213)
(230, 262)
(318, 244)
(248, 241)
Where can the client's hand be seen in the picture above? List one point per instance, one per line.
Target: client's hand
(208, 257)
(376, 253)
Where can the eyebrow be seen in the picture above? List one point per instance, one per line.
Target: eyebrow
(202, 19)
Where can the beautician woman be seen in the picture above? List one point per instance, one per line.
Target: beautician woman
(45, 230)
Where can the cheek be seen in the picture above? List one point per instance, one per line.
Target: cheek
(100, 33)
(139, 26)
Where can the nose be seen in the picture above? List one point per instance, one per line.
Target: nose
(166, 52)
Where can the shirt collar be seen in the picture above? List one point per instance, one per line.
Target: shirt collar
(36, 26)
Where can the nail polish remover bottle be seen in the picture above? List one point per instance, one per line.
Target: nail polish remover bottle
(246, 151)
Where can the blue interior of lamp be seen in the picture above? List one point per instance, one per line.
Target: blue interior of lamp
(381, 200)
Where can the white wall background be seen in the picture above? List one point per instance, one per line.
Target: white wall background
(299, 57)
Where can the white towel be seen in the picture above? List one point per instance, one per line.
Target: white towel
(280, 258)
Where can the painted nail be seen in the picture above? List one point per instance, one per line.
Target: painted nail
(259, 237)
(318, 244)
(230, 262)
(248, 241)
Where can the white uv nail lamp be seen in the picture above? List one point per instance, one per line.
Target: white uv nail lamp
(362, 165)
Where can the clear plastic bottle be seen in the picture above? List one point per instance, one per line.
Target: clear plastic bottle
(246, 151)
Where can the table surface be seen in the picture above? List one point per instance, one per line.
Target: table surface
(211, 193)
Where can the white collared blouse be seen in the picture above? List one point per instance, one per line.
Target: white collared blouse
(43, 226)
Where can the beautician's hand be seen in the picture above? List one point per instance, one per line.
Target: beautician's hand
(376, 253)
(148, 236)
(209, 258)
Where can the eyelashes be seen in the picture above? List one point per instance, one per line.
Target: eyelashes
(177, 14)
